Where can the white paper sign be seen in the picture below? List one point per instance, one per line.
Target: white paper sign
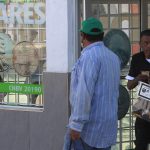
(144, 91)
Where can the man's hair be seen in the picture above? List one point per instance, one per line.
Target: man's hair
(94, 38)
(145, 33)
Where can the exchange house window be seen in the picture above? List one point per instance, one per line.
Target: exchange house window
(22, 54)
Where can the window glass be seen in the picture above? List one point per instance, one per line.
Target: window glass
(134, 8)
(124, 8)
(134, 21)
(22, 54)
(114, 21)
(148, 15)
(99, 9)
(113, 8)
(105, 21)
(135, 35)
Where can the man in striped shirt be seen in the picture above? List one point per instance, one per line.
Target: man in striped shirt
(94, 92)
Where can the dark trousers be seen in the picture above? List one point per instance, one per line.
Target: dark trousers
(142, 134)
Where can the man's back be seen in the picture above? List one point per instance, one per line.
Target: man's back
(100, 79)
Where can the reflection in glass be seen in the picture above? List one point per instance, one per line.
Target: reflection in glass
(135, 21)
(149, 9)
(148, 15)
(103, 9)
(135, 48)
(113, 8)
(134, 8)
(148, 21)
(124, 8)
(126, 31)
(99, 9)
(94, 10)
(125, 22)
(135, 35)
(26, 70)
(114, 22)
(105, 22)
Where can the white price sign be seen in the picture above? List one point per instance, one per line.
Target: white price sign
(144, 91)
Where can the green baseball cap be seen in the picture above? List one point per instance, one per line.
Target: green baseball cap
(92, 26)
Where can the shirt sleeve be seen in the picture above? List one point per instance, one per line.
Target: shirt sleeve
(85, 89)
(133, 72)
(129, 77)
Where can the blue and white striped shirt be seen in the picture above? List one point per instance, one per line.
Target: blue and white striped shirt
(94, 95)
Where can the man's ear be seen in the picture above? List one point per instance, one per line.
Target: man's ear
(83, 36)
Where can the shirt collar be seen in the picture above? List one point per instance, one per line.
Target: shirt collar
(91, 45)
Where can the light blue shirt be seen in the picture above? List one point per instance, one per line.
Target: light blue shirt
(94, 95)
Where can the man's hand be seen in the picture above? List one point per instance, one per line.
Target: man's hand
(75, 135)
(142, 77)
(133, 83)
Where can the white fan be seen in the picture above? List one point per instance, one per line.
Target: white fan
(25, 58)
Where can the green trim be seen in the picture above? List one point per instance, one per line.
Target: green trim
(2, 1)
(21, 88)
(16, 1)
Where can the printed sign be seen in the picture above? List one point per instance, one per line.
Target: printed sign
(21, 88)
(23, 13)
(144, 91)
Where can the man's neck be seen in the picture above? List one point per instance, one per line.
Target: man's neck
(147, 55)
(87, 43)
